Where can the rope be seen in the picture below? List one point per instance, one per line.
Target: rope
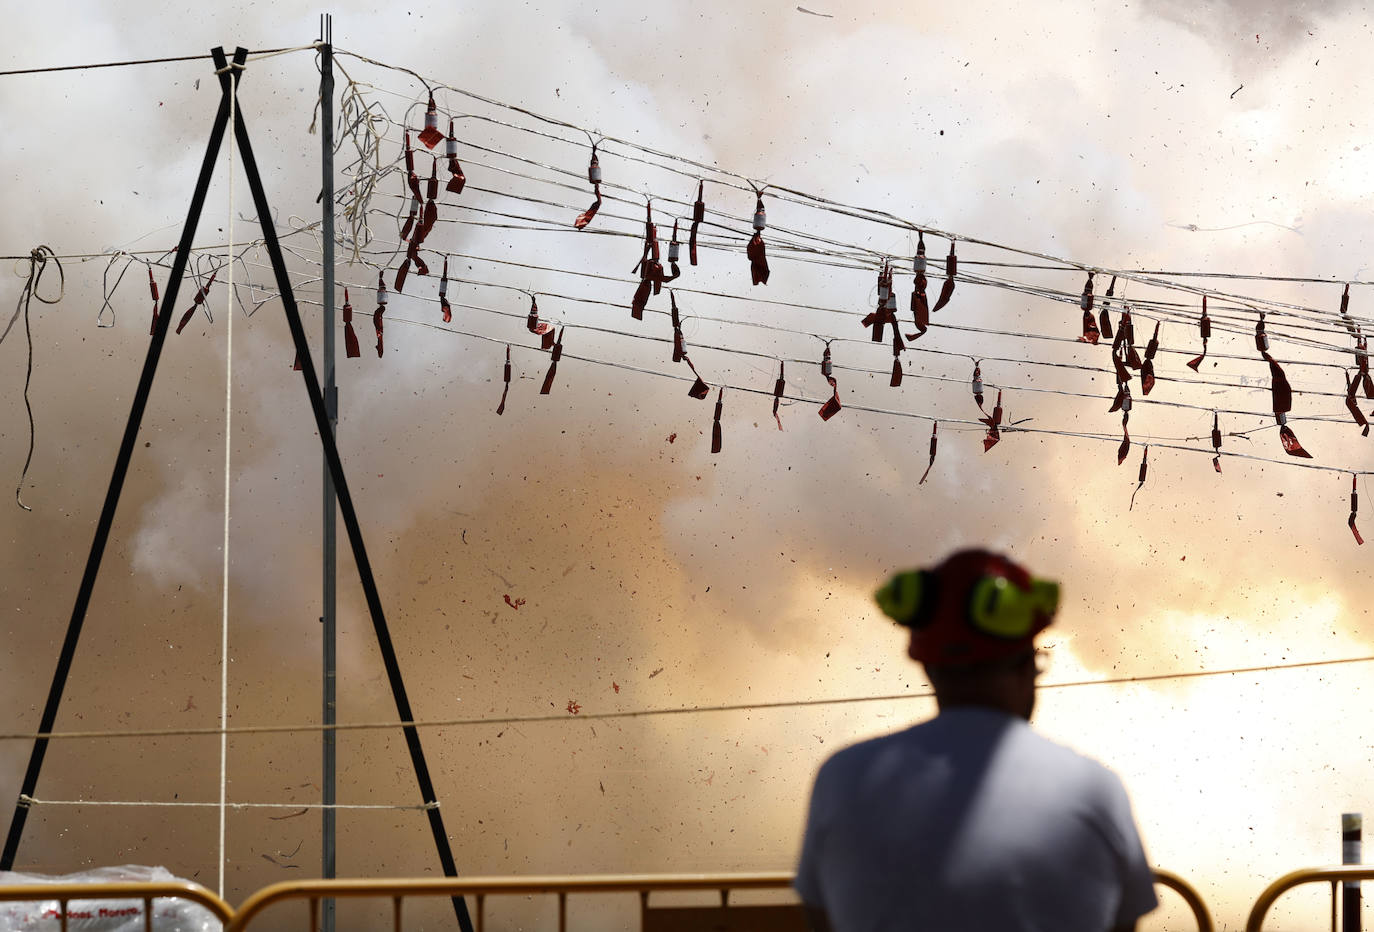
(38, 262)
(646, 713)
(264, 53)
(28, 801)
(228, 449)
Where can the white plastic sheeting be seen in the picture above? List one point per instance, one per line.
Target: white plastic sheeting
(123, 915)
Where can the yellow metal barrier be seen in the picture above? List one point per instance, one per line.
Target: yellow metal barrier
(1333, 875)
(1190, 896)
(65, 893)
(759, 917)
(482, 887)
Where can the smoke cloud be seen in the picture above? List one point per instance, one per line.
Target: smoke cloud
(648, 573)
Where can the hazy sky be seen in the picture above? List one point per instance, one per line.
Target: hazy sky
(1218, 137)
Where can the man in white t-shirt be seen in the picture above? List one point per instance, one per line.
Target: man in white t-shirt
(972, 821)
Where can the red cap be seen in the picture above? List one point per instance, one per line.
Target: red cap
(974, 608)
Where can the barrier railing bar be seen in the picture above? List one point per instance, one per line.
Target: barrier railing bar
(1334, 875)
(481, 887)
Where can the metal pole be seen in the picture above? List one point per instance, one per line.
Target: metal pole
(1352, 824)
(347, 511)
(331, 402)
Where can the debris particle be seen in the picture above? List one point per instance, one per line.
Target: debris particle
(802, 9)
(1236, 91)
(278, 818)
(603, 787)
(573, 707)
(272, 860)
(514, 604)
(672, 437)
(656, 673)
(615, 685)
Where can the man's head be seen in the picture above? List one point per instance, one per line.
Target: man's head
(973, 621)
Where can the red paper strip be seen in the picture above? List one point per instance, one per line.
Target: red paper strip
(401, 274)
(1354, 503)
(649, 267)
(593, 176)
(197, 302)
(978, 384)
(444, 306)
(934, 442)
(877, 319)
(1216, 442)
(431, 136)
(698, 215)
(1261, 337)
(1345, 311)
(1125, 331)
(409, 225)
(1123, 377)
(457, 179)
(152, 288)
(1104, 321)
(505, 389)
(1147, 365)
(715, 423)
(641, 298)
(532, 322)
(994, 424)
(757, 253)
(778, 387)
(1291, 446)
(1091, 333)
(1204, 326)
(920, 307)
(555, 355)
(410, 159)
(1140, 479)
(1281, 390)
(431, 213)
(947, 289)
(832, 406)
(586, 216)
(1283, 403)
(351, 349)
(381, 309)
(1353, 406)
(1362, 364)
(699, 389)
(679, 344)
(1125, 447)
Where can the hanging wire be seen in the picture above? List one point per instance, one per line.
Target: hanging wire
(38, 262)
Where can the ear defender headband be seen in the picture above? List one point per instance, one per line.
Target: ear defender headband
(996, 606)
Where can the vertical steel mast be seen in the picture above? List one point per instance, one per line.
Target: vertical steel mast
(331, 402)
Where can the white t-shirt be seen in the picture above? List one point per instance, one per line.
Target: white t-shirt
(972, 821)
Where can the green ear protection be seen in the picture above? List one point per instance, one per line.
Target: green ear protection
(996, 606)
